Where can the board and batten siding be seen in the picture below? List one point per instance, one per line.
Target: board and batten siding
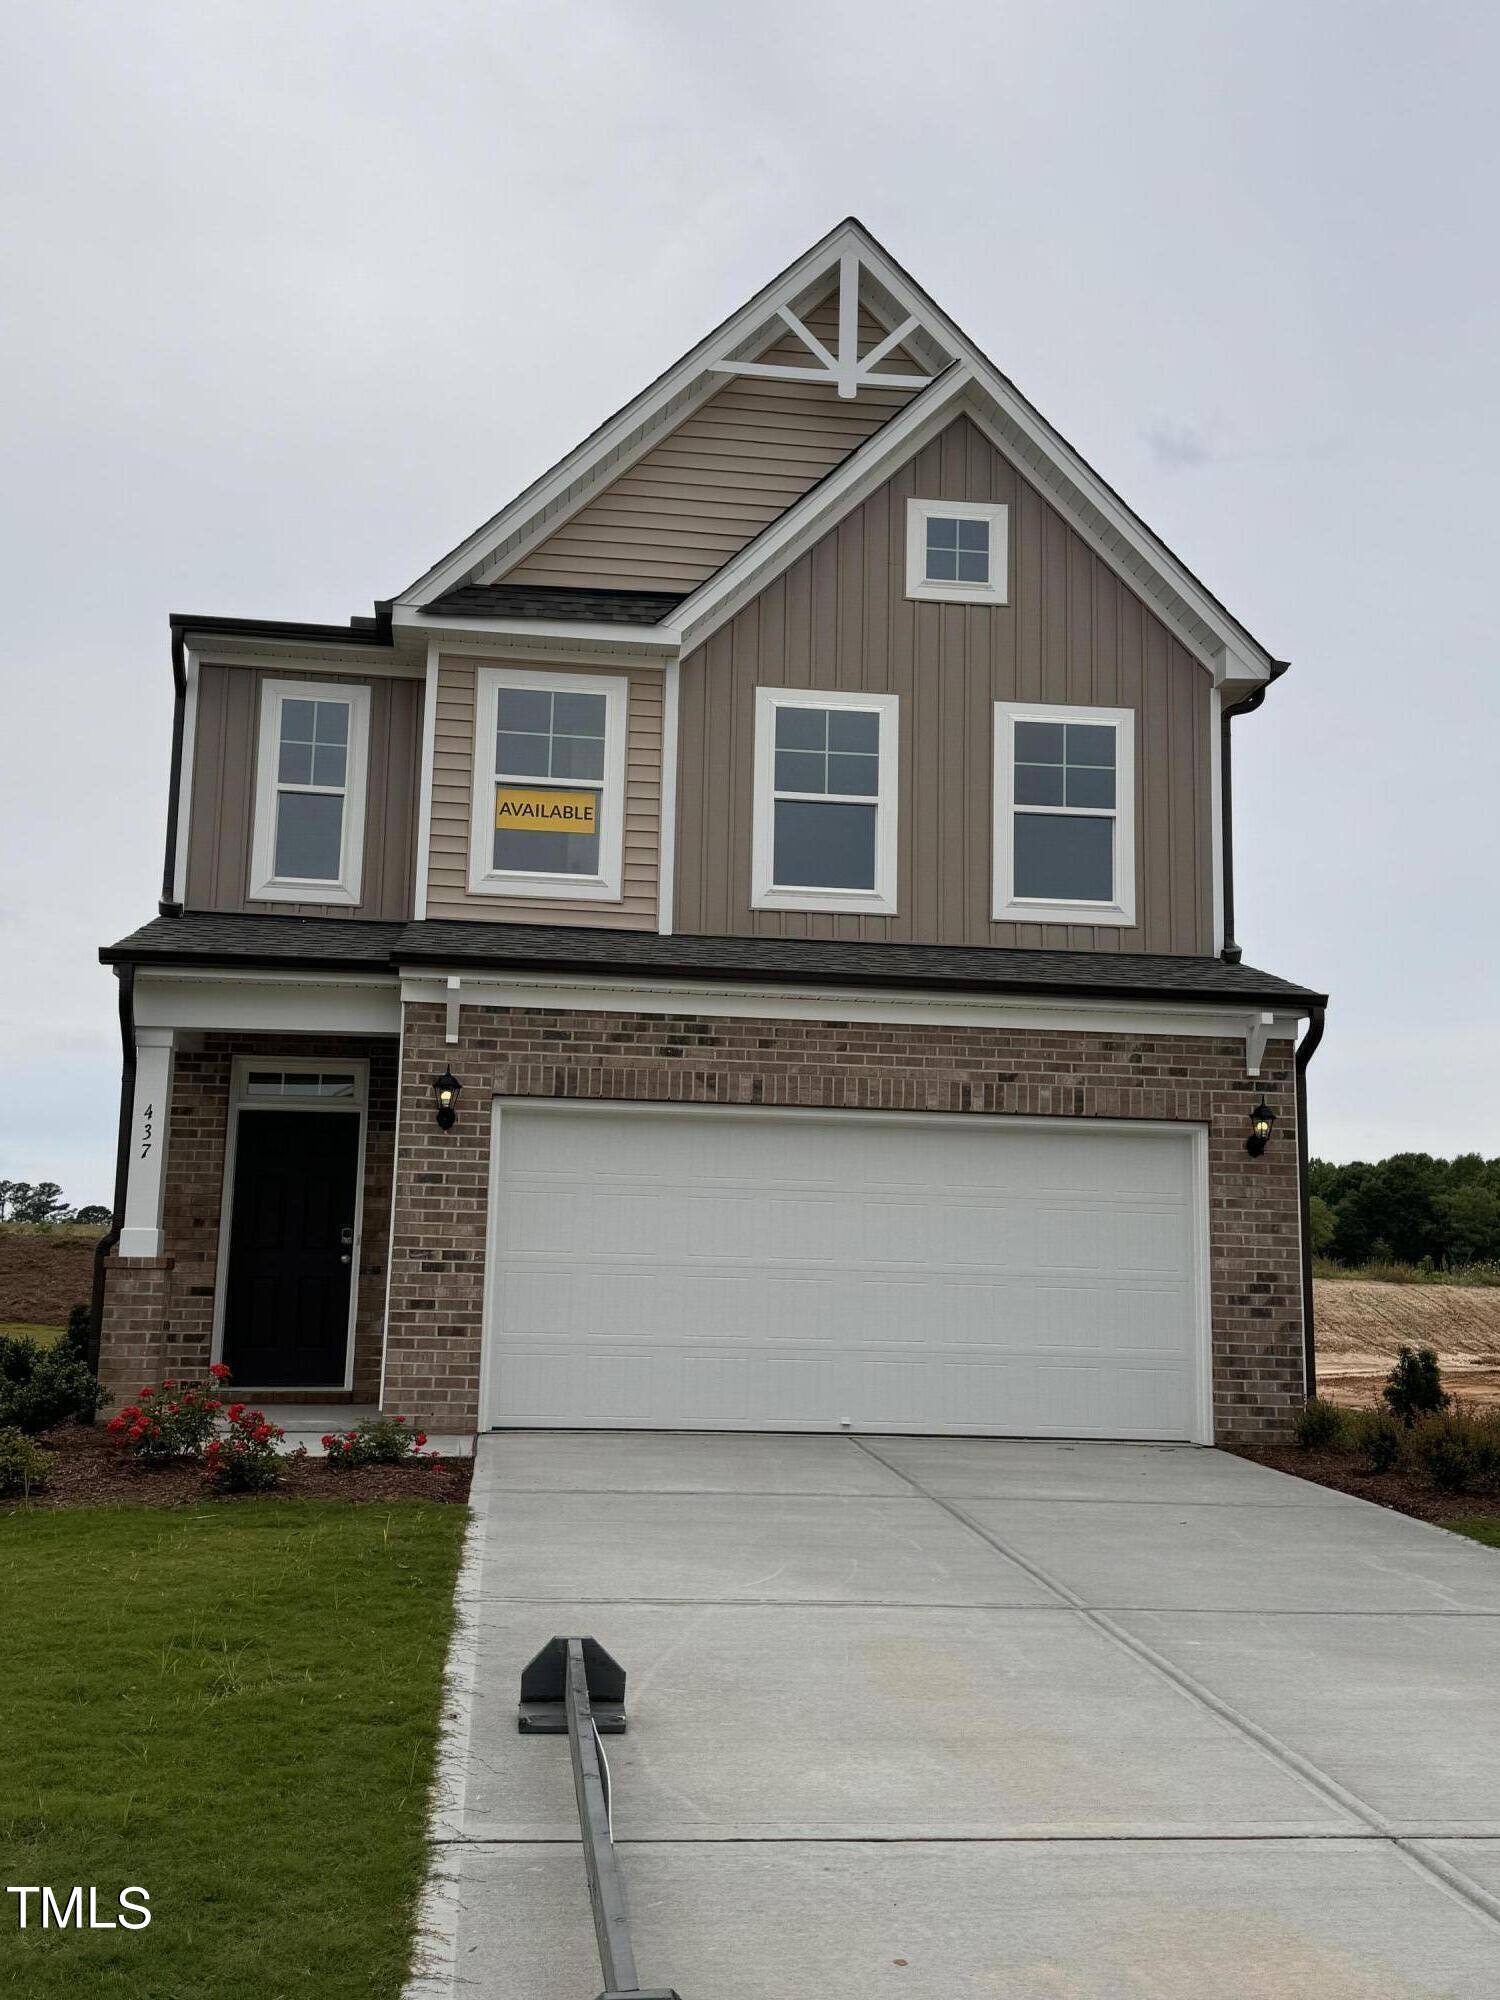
(221, 824)
(839, 618)
(452, 803)
(694, 500)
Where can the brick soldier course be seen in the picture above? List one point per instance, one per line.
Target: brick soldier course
(442, 1178)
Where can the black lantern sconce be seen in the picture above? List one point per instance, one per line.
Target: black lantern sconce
(445, 1089)
(1262, 1118)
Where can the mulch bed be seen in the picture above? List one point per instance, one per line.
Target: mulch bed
(1406, 1492)
(91, 1469)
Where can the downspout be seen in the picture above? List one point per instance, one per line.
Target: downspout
(1231, 953)
(169, 905)
(1306, 1049)
(126, 976)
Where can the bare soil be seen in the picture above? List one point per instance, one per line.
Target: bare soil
(92, 1469)
(1361, 1324)
(1407, 1492)
(44, 1272)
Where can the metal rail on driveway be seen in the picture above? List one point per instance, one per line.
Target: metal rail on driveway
(574, 1685)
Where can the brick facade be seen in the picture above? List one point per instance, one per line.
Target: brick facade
(159, 1312)
(438, 1261)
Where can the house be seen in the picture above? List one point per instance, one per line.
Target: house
(745, 940)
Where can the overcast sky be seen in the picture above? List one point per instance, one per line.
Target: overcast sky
(295, 295)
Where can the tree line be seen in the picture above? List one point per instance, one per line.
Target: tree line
(1409, 1209)
(42, 1201)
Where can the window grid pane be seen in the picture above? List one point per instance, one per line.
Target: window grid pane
(543, 733)
(958, 551)
(827, 751)
(313, 748)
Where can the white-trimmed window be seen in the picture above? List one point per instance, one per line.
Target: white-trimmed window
(825, 801)
(958, 551)
(549, 785)
(308, 845)
(1064, 814)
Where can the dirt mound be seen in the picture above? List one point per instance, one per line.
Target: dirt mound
(43, 1272)
(1360, 1325)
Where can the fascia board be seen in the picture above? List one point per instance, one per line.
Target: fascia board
(649, 643)
(722, 341)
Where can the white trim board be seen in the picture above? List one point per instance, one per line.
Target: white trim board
(1231, 1021)
(310, 1003)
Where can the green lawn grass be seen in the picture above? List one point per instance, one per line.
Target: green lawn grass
(44, 1336)
(236, 1708)
(1481, 1528)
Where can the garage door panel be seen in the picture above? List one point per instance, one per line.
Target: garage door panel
(726, 1268)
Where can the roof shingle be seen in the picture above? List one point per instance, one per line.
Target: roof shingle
(204, 939)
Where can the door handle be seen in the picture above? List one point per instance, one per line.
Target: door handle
(346, 1237)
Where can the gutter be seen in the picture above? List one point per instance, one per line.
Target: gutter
(126, 976)
(1306, 1050)
(168, 905)
(1231, 953)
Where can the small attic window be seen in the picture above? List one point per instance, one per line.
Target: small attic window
(957, 550)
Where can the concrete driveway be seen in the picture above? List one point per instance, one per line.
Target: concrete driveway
(958, 1718)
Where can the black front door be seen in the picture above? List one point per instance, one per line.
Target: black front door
(291, 1249)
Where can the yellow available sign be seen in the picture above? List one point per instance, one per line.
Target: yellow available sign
(528, 811)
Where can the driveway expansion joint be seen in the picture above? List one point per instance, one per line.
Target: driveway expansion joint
(1451, 1878)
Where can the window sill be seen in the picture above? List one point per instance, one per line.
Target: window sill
(956, 593)
(832, 902)
(334, 894)
(1062, 913)
(551, 888)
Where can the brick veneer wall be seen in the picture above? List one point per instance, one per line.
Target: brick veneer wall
(159, 1312)
(437, 1270)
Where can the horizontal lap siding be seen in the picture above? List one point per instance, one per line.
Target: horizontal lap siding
(452, 794)
(694, 500)
(840, 618)
(221, 825)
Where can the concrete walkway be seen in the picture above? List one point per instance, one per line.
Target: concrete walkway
(975, 1719)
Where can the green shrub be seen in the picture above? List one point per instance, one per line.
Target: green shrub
(1414, 1387)
(1459, 1451)
(42, 1386)
(1377, 1440)
(23, 1465)
(1320, 1425)
(245, 1459)
(377, 1441)
(75, 1335)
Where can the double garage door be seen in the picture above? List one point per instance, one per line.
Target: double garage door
(708, 1268)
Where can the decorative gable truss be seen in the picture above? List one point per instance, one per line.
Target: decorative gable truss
(847, 370)
(740, 485)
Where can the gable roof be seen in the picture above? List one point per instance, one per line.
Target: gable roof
(778, 338)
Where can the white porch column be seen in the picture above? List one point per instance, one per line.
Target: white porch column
(141, 1232)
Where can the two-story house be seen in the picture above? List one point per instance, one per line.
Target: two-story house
(744, 941)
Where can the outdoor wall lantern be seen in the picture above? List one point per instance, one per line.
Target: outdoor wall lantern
(445, 1089)
(1262, 1118)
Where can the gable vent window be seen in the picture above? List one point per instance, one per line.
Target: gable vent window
(310, 792)
(825, 802)
(548, 785)
(957, 551)
(1065, 814)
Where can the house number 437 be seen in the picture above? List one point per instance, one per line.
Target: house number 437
(148, 1127)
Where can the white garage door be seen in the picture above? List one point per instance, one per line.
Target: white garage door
(712, 1268)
